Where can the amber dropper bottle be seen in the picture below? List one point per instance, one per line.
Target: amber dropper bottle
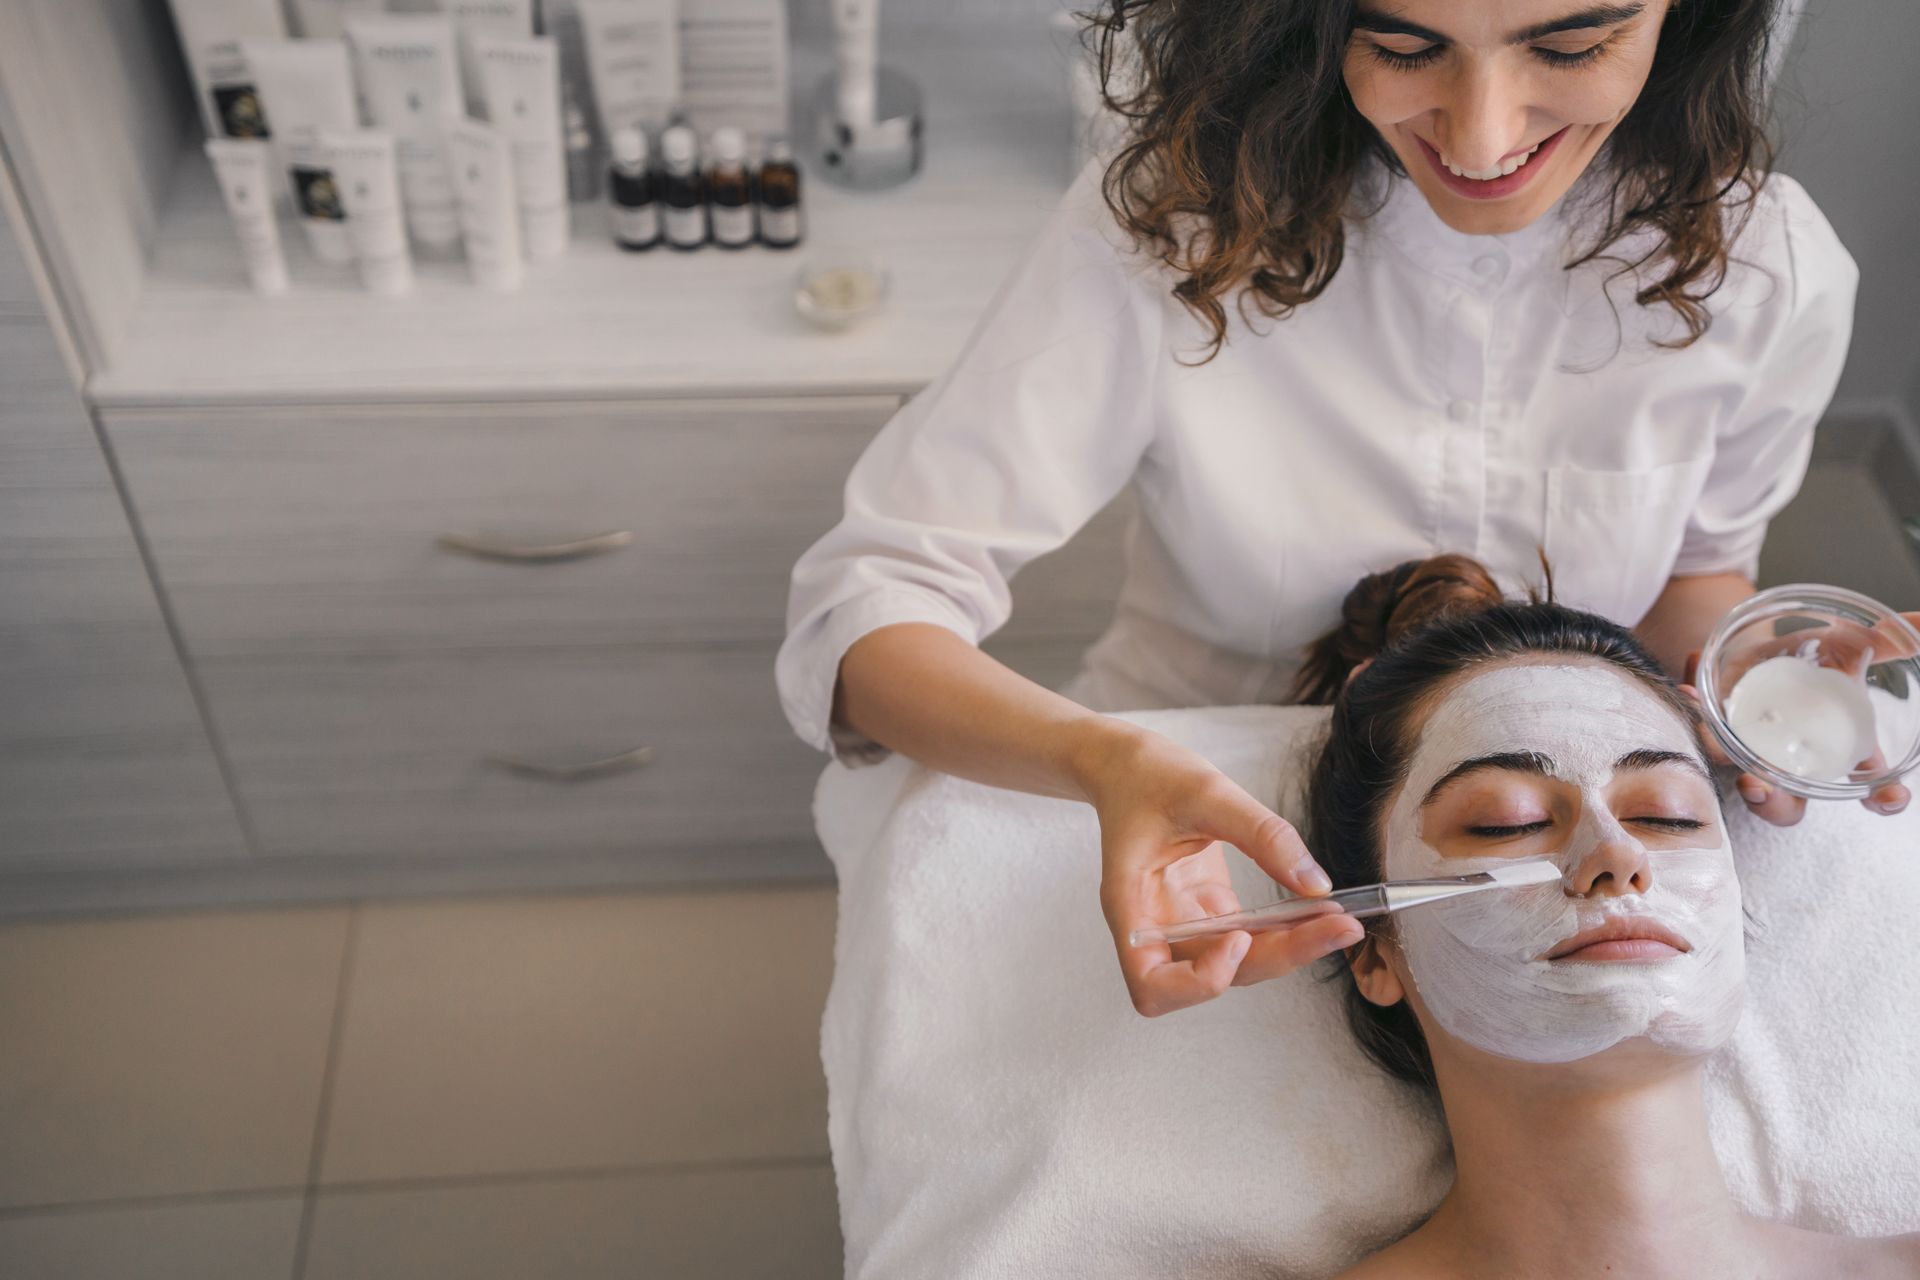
(779, 197)
(729, 196)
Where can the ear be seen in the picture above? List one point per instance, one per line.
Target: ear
(1358, 668)
(1373, 975)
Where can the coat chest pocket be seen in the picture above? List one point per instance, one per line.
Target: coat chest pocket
(1612, 536)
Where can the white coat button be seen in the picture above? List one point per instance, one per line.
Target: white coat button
(1460, 410)
(1487, 267)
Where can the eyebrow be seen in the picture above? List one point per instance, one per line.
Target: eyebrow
(1600, 15)
(1535, 763)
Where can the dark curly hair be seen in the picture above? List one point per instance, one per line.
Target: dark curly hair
(1244, 146)
(1422, 623)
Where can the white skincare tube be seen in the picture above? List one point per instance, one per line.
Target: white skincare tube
(368, 175)
(210, 36)
(248, 174)
(856, 50)
(522, 80)
(327, 19)
(489, 204)
(733, 65)
(308, 84)
(410, 72)
(633, 55)
(474, 19)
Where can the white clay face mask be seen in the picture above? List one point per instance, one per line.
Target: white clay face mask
(1477, 961)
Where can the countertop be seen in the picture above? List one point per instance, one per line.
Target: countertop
(603, 324)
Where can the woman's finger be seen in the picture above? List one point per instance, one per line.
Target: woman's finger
(1889, 799)
(1781, 808)
(1280, 952)
(1232, 815)
(1157, 983)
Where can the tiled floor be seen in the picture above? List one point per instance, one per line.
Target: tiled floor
(583, 1086)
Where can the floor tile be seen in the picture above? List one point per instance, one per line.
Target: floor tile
(160, 1055)
(736, 1224)
(527, 1034)
(250, 1238)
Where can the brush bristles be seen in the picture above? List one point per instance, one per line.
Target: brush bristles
(1534, 871)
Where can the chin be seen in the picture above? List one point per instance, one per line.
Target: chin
(1494, 218)
(1472, 219)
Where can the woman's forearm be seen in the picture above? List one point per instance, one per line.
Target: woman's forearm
(925, 692)
(1685, 614)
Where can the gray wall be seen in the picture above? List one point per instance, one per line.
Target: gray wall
(1849, 102)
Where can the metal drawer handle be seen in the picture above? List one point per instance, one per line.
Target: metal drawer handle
(598, 544)
(573, 772)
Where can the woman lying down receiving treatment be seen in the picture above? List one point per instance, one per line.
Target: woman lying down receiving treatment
(1565, 1025)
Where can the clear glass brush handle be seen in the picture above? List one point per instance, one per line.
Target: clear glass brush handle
(1366, 900)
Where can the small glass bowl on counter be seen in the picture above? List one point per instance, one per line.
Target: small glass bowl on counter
(838, 289)
(1814, 689)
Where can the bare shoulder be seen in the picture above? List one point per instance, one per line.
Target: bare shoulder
(1795, 1252)
(1903, 1254)
(1408, 1258)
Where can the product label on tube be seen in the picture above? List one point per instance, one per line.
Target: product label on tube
(237, 107)
(318, 196)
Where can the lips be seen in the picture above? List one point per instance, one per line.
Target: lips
(1622, 938)
(1493, 188)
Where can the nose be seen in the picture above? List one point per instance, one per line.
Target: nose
(1484, 114)
(1610, 863)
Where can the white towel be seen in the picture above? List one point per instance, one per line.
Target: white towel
(996, 1108)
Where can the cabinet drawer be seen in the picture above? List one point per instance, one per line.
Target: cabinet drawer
(313, 531)
(398, 755)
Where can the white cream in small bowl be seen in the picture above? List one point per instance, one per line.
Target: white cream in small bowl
(839, 292)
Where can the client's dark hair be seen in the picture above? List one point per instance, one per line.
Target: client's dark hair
(1422, 623)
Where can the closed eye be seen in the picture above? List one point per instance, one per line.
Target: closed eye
(1528, 828)
(1525, 828)
(1422, 57)
(1671, 824)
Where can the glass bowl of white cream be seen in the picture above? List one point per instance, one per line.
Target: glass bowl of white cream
(1814, 689)
(838, 287)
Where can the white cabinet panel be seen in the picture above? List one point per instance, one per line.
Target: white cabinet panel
(402, 757)
(319, 531)
(397, 755)
(104, 761)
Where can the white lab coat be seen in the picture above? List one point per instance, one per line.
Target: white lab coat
(1447, 392)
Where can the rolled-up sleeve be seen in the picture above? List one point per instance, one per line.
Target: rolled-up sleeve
(1760, 456)
(1037, 425)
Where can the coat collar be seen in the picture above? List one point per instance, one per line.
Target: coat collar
(1390, 207)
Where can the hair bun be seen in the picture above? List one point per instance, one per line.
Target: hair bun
(1382, 607)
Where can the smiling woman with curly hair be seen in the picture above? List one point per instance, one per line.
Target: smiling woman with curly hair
(1255, 121)
(1367, 281)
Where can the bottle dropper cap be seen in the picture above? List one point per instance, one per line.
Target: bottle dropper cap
(729, 145)
(778, 148)
(676, 145)
(629, 147)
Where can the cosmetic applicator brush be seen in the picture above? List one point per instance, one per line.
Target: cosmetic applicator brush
(1360, 902)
